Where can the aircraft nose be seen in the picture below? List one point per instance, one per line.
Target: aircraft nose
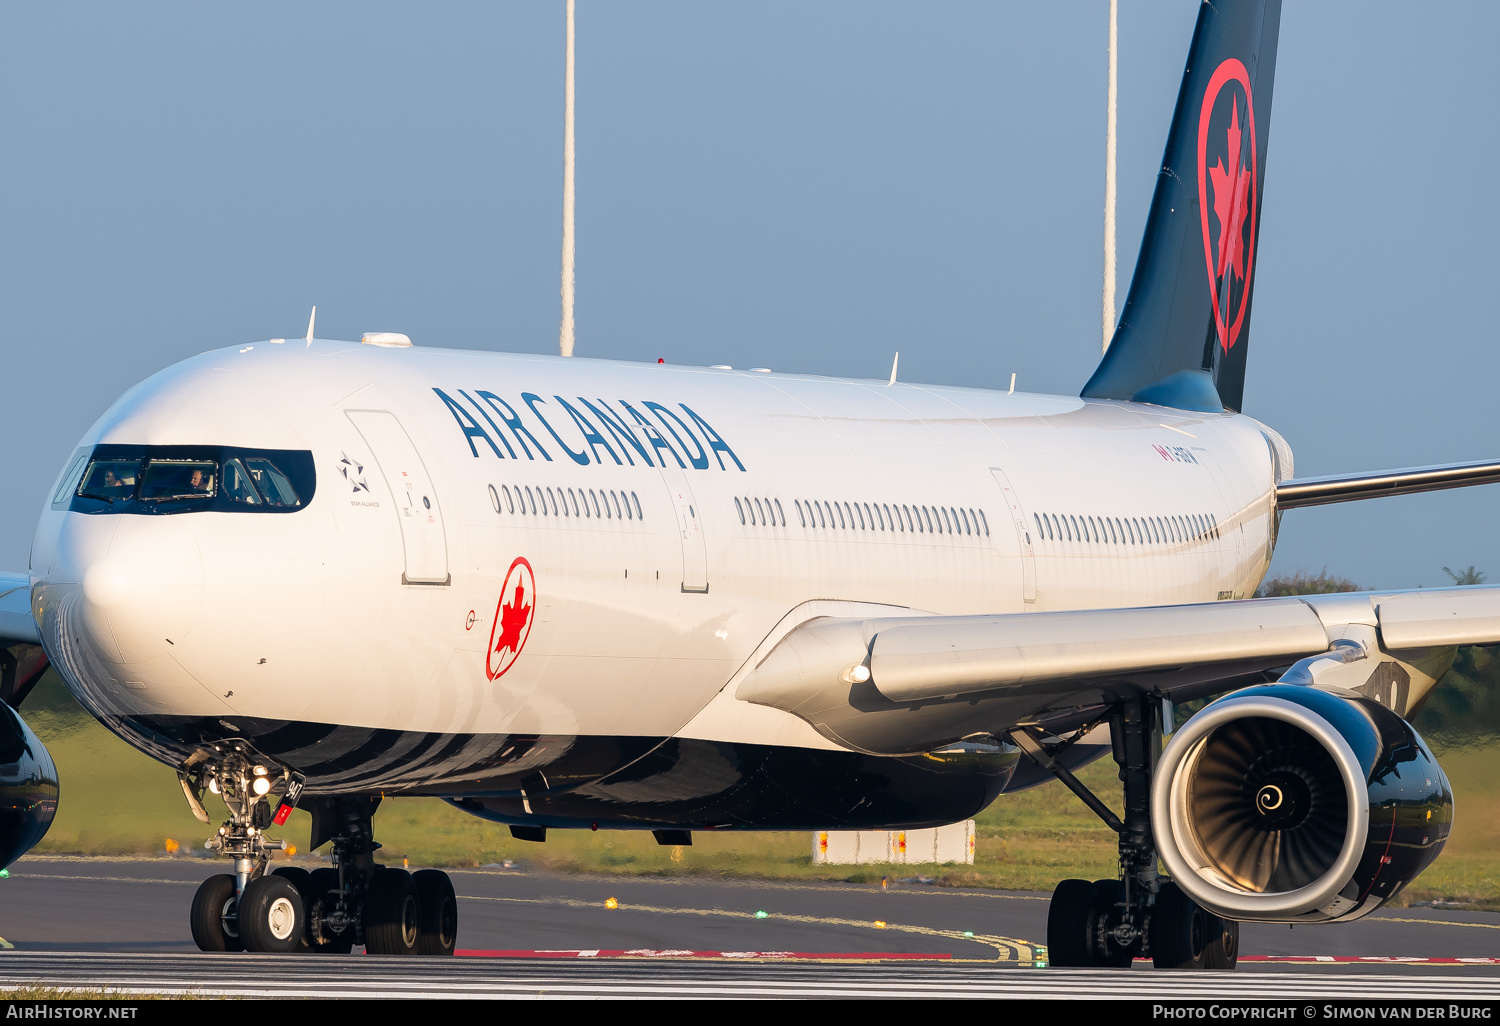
(121, 592)
(149, 588)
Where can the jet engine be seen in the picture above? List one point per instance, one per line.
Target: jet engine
(1293, 803)
(28, 787)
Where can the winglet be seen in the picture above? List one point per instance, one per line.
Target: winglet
(897, 360)
(310, 322)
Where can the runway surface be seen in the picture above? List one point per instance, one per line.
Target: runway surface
(355, 976)
(122, 924)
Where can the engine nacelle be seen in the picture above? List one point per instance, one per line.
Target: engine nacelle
(1294, 803)
(28, 787)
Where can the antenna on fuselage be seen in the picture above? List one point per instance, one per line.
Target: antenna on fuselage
(1109, 176)
(565, 333)
(310, 322)
(897, 360)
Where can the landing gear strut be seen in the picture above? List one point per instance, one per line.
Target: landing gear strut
(1109, 923)
(356, 901)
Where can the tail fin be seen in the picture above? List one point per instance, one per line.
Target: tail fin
(1183, 333)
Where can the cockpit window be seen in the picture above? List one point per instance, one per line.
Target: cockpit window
(110, 480)
(179, 480)
(272, 483)
(171, 479)
(237, 486)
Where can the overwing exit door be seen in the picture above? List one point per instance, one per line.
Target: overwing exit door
(689, 527)
(422, 539)
(1023, 534)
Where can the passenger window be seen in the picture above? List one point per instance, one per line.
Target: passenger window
(781, 513)
(760, 512)
(984, 522)
(739, 509)
(170, 480)
(637, 500)
(237, 486)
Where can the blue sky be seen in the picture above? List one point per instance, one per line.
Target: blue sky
(804, 186)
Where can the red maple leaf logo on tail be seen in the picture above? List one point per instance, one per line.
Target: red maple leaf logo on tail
(514, 616)
(1231, 202)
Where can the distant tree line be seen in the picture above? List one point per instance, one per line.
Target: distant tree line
(1466, 702)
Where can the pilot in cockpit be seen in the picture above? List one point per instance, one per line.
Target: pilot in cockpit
(113, 486)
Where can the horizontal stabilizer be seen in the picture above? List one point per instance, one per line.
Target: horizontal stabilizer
(1318, 491)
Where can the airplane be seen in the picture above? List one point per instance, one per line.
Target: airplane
(583, 594)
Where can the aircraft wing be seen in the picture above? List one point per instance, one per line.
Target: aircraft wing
(22, 660)
(902, 685)
(1318, 491)
(16, 625)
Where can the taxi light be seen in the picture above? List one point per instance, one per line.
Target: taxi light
(261, 785)
(213, 784)
(259, 771)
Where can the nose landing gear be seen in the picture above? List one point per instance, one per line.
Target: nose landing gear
(331, 910)
(1109, 923)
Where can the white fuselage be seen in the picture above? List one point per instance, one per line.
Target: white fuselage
(373, 608)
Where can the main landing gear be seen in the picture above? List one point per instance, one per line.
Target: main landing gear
(1110, 923)
(354, 902)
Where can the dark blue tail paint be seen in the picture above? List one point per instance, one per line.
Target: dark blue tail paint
(1185, 327)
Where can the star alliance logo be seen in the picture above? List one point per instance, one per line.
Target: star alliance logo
(354, 473)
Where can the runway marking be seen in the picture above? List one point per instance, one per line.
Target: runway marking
(920, 890)
(1434, 922)
(1007, 949)
(1346, 959)
(105, 879)
(739, 956)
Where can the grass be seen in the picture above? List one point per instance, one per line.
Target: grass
(116, 801)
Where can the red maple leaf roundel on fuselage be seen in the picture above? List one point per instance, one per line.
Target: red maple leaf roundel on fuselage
(1227, 168)
(513, 617)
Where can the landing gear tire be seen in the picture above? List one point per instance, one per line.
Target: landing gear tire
(1184, 935)
(271, 915)
(1079, 926)
(1109, 897)
(321, 882)
(302, 880)
(215, 915)
(392, 914)
(437, 913)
